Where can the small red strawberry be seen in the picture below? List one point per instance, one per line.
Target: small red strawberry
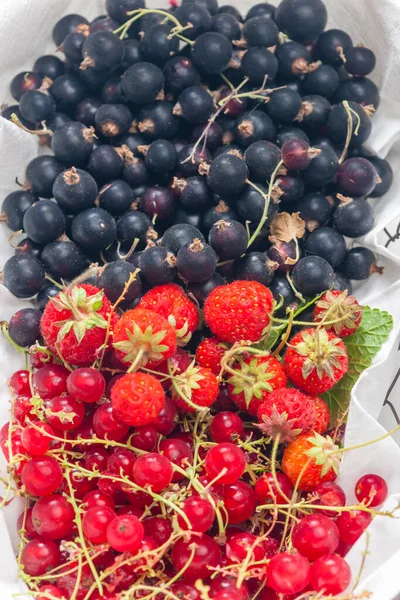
(210, 353)
(74, 324)
(239, 311)
(322, 416)
(196, 387)
(309, 456)
(315, 360)
(286, 412)
(137, 398)
(143, 336)
(339, 306)
(255, 379)
(171, 302)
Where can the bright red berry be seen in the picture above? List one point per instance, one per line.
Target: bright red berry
(49, 591)
(96, 458)
(286, 413)
(158, 528)
(226, 427)
(330, 575)
(328, 494)
(185, 590)
(41, 476)
(121, 462)
(352, 524)
(239, 311)
(19, 383)
(107, 424)
(34, 438)
(370, 489)
(225, 462)
(53, 517)
(137, 398)
(153, 471)
(199, 512)
(166, 421)
(288, 573)
(178, 453)
(96, 499)
(316, 360)
(85, 384)
(244, 544)
(210, 353)
(95, 522)
(50, 381)
(206, 554)
(145, 438)
(315, 536)
(322, 416)
(125, 533)
(194, 389)
(228, 585)
(239, 501)
(340, 307)
(267, 491)
(64, 413)
(40, 556)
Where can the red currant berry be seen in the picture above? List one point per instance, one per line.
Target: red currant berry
(96, 458)
(96, 499)
(50, 591)
(23, 410)
(64, 413)
(121, 462)
(107, 484)
(330, 575)
(19, 383)
(328, 494)
(271, 547)
(130, 510)
(240, 502)
(199, 512)
(125, 533)
(288, 573)
(51, 381)
(53, 517)
(267, 491)
(240, 545)
(185, 590)
(111, 384)
(153, 471)
(178, 453)
(225, 462)
(84, 431)
(25, 524)
(81, 484)
(157, 528)
(226, 427)
(145, 438)
(370, 489)
(34, 438)
(107, 425)
(222, 583)
(352, 524)
(41, 476)
(231, 594)
(40, 358)
(40, 556)
(202, 552)
(95, 522)
(166, 421)
(215, 489)
(86, 385)
(16, 446)
(315, 536)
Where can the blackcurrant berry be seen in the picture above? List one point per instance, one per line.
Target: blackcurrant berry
(255, 266)
(72, 47)
(227, 175)
(189, 160)
(183, 217)
(93, 229)
(327, 243)
(332, 46)
(227, 25)
(63, 260)
(303, 20)
(357, 177)
(261, 31)
(257, 64)
(251, 203)
(24, 82)
(105, 163)
(284, 105)
(214, 136)
(142, 82)
(315, 111)
(341, 283)
(157, 46)
(202, 290)
(44, 221)
(353, 116)
(49, 66)
(358, 89)
(193, 193)
(290, 188)
(75, 190)
(359, 264)
(114, 278)
(132, 141)
(360, 61)
(282, 292)
(290, 133)
(297, 155)
(15, 206)
(36, 106)
(253, 126)
(158, 202)
(262, 158)
(385, 174)
(132, 54)
(293, 60)
(116, 197)
(27, 246)
(86, 111)
(113, 119)
(180, 73)
(179, 235)
(210, 5)
(198, 17)
(261, 10)
(24, 327)
(66, 25)
(23, 275)
(231, 10)
(323, 81)
(221, 212)
(156, 120)
(315, 209)
(119, 9)
(196, 262)
(112, 93)
(102, 23)
(195, 105)
(102, 50)
(47, 292)
(354, 217)
(157, 266)
(160, 156)
(133, 225)
(312, 275)
(72, 144)
(135, 171)
(323, 168)
(228, 238)
(284, 255)
(68, 90)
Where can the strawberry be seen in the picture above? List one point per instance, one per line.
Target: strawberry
(310, 457)
(239, 311)
(143, 336)
(322, 416)
(339, 306)
(137, 398)
(315, 360)
(194, 389)
(210, 353)
(74, 324)
(171, 302)
(255, 378)
(286, 412)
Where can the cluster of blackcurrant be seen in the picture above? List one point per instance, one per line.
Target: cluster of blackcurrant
(200, 147)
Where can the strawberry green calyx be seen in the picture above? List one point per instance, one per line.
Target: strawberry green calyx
(325, 452)
(144, 344)
(339, 307)
(84, 312)
(321, 352)
(183, 335)
(252, 378)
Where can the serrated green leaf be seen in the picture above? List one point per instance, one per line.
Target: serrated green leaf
(362, 346)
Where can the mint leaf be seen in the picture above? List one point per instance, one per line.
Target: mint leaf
(362, 346)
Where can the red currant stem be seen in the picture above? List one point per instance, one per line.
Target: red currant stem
(364, 558)
(136, 363)
(78, 579)
(78, 522)
(4, 500)
(157, 590)
(267, 200)
(244, 565)
(365, 444)
(349, 112)
(273, 468)
(286, 336)
(296, 292)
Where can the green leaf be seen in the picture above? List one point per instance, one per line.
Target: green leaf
(362, 346)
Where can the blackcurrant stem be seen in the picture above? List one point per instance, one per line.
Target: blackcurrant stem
(349, 112)
(4, 331)
(139, 13)
(267, 200)
(54, 282)
(296, 292)
(43, 131)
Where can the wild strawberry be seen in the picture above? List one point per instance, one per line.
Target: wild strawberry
(339, 306)
(315, 360)
(313, 454)
(255, 379)
(137, 398)
(74, 324)
(143, 336)
(286, 412)
(209, 354)
(239, 311)
(171, 302)
(195, 389)
(322, 416)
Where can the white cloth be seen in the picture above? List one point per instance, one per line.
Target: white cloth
(25, 34)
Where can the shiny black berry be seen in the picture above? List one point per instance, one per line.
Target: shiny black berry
(105, 163)
(195, 105)
(47, 292)
(197, 16)
(23, 275)
(158, 202)
(119, 9)
(102, 50)
(24, 82)
(284, 105)
(41, 173)
(36, 106)
(255, 266)
(196, 261)
(354, 217)
(227, 174)
(27, 246)
(142, 82)
(63, 260)
(189, 159)
(220, 212)
(262, 158)
(359, 264)
(228, 238)
(303, 20)
(15, 206)
(86, 110)
(343, 117)
(357, 177)
(316, 209)
(323, 168)
(203, 289)
(66, 25)
(179, 235)
(327, 243)
(358, 89)
(332, 46)
(180, 73)
(157, 266)
(261, 31)
(113, 120)
(75, 190)
(114, 278)
(293, 60)
(93, 229)
(44, 221)
(385, 173)
(257, 64)
(341, 283)
(116, 197)
(360, 61)
(253, 126)
(160, 156)
(193, 193)
(251, 203)
(312, 275)
(133, 225)
(132, 54)
(323, 81)
(49, 66)
(24, 327)
(284, 255)
(283, 294)
(156, 120)
(227, 25)
(290, 133)
(72, 144)
(68, 90)
(157, 45)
